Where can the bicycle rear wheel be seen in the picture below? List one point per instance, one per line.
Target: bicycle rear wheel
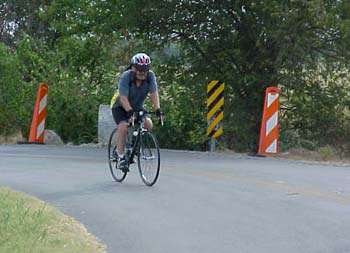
(117, 174)
(148, 159)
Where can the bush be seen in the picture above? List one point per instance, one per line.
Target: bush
(307, 144)
(10, 91)
(327, 152)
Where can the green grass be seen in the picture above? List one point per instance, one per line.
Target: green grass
(28, 225)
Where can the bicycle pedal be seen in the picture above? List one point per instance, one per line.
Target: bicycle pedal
(113, 159)
(125, 169)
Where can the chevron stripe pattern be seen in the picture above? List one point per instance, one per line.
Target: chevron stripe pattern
(215, 105)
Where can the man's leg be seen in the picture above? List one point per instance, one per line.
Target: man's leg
(148, 124)
(121, 137)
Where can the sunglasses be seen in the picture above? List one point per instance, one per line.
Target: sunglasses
(142, 68)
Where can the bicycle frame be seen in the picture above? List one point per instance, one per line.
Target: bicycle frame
(141, 128)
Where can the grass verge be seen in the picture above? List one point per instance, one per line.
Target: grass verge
(324, 154)
(28, 225)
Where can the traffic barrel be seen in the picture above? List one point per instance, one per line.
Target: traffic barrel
(37, 128)
(269, 131)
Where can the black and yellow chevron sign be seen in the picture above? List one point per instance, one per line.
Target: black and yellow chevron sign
(215, 104)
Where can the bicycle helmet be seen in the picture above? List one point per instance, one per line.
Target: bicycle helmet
(141, 61)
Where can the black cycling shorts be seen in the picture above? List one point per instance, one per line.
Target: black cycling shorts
(119, 114)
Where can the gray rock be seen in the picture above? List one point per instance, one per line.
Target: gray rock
(91, 145)
(12, 139)
(52, 138)
(106, 124)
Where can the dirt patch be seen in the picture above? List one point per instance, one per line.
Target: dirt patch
(324, 155)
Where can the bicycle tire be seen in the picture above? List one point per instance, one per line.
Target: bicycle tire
(117, 174)
(149, 148)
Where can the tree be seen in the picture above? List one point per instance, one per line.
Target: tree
(249, 45)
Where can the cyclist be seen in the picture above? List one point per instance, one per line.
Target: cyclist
(135, 84)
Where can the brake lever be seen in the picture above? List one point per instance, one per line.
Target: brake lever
(161, 120)
(133, 120)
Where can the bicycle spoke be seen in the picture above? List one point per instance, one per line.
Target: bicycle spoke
(149, 159)
(117, 174)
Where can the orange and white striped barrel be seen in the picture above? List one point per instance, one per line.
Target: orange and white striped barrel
(269, 131)
(37, 128)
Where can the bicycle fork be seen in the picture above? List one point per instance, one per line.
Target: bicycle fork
(135, 146)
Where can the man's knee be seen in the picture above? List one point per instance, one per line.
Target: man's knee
(122, 127)
(148, 124)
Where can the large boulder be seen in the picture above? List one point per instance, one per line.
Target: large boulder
(52, 138)
(106, 124)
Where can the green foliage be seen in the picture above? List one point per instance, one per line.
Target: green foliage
(10, 95)
(185, 120)
(243, 43)
(318, 108)
(78, 60)
(80, 47)
(326, 152)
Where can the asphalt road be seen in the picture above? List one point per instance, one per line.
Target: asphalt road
(201, 203)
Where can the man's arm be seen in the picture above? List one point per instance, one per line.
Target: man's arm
(125, 103)
(155, 100)
(124, 91)
(154, 91)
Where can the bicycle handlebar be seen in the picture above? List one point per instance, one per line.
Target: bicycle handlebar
(142, 113)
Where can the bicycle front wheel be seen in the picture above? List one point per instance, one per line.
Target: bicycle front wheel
(149, 158)
(117, 174)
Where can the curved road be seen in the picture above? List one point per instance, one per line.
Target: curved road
(202, 202)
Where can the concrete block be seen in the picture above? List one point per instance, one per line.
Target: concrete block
(106, 124)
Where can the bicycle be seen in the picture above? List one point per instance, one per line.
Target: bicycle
(140, 143)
